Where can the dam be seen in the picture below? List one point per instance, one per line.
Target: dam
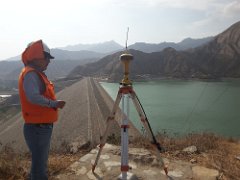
(81, 121)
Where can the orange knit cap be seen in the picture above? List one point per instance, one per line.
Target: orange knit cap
(36, 50)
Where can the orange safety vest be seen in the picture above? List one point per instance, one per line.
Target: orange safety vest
(33, 113)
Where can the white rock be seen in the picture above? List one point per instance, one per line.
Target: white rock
(81, 171)
(149, 171)
(105, 157)
(86, 157)
(200, 172)
(130, 176)
(175, 173)
(133, 165)
(94, 151)
(111, 163)
(193, 161)
(75, 165)
(190, 149)
(91, 175)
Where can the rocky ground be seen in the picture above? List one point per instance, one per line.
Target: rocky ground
(143, 163)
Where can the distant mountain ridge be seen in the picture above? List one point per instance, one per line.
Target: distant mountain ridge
(63, 63)
(105, 47)
(218, 58)
(60, 54)
(183, 45)
(213, 57)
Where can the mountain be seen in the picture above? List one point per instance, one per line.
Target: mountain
(56, 69)
(15, 58)
(65, 55)
(216, 59)
(155, 64)
(189, 43)
(220, 57)
(183, 45)
(63, 63)
(60, 54)
(8, 66)
(105, 47)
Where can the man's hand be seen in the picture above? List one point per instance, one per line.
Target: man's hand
(60, 104)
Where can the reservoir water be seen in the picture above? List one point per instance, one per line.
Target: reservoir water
(178, 107)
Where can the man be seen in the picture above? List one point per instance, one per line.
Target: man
(39, 106)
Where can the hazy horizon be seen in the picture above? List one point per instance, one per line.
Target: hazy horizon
(123, 45)
(62, 23)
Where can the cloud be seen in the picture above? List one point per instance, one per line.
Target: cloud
(232, 9)
(188, 4)
(218, 19)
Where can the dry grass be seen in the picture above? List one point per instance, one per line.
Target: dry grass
(213, 152)
(15, 166)
(58, 163)
(12, 165)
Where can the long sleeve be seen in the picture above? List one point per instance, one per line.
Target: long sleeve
(34, 87)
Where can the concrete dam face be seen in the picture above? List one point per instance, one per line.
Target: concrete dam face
(81, 121)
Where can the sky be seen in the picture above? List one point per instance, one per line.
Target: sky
(68, 22)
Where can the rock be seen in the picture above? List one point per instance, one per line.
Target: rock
(176, 173)
(75, 146)
(193, 161)
(98, 173)
(140, 155)
(130, 176)
(149, 171)
(204, 155)
(190, 149)
(105, 157)
(155, 163)
(200, 172)
(86, 158)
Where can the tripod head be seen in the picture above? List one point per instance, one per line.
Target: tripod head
(126, 57)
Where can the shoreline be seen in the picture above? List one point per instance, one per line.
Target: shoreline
(101, 79)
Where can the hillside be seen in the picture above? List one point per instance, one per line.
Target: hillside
(218, 58)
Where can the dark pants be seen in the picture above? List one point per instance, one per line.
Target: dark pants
(38, 137)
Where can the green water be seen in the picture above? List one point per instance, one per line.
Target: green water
(178, 107)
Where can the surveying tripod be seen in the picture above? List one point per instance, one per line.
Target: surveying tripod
(126, 92)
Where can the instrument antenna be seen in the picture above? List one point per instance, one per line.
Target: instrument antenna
(127, 37)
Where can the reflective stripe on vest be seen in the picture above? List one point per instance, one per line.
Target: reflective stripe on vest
(33, 113)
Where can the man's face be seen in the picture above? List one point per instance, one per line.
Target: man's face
(42, 63)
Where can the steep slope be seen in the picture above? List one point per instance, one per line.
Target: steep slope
(220, 57)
